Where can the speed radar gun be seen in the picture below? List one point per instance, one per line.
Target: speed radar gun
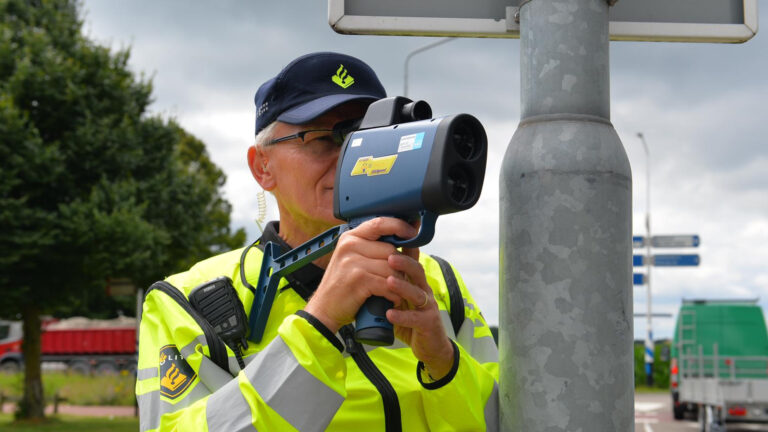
(398, 162)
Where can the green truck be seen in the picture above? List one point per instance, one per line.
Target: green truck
(719, 365)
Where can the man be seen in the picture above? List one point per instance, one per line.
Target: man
(307, 373)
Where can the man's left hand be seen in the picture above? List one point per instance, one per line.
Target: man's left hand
(420, 326)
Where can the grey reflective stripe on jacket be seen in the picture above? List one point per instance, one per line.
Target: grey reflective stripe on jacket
(482, 349)
(217, 374)
(293, 386)
(152, 407)
(147, 373)
(212, 375)
(445, 318)
(227, 410)
(287, 386)
(211, 378)
(492, 410)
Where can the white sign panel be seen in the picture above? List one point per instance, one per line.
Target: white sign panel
(630, 20)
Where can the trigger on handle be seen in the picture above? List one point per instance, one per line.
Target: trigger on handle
(424, 236)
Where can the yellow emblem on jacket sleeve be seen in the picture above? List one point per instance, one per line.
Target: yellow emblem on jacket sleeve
(176, 374)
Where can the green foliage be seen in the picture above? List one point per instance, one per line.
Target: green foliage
(660, 367)
(91, 187)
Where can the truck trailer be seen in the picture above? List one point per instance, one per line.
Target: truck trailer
(82, 345)
(719, 365)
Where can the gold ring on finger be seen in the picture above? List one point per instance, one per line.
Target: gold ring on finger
(426, 300)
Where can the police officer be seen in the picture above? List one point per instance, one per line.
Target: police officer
(301, 376)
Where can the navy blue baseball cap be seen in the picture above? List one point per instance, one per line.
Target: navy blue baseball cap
(312, 85)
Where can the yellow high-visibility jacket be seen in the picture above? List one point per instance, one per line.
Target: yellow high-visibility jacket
(300, 377)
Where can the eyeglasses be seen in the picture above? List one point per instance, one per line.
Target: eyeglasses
(338, 134)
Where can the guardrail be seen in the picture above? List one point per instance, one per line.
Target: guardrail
(723, 367)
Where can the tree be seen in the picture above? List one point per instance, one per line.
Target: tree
(91, 186)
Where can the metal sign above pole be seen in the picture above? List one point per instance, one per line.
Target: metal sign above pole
(722, 21)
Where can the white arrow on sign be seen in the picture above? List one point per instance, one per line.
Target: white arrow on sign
(675, 241)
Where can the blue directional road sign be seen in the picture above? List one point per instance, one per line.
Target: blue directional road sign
(638, 260)
(638, 241)
(638, 279)
(675, 241)
(676, 260)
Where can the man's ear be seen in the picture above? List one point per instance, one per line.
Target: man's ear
(258, 162)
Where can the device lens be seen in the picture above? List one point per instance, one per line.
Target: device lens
(460, 185)
(465, 141)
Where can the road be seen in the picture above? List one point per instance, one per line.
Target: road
(653, 413)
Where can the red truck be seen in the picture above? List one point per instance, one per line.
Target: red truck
(82, 345)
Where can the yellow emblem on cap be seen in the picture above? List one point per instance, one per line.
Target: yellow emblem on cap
(371, 166)
(343, 78)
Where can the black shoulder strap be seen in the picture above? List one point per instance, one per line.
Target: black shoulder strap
(454, 292)
(215, 344)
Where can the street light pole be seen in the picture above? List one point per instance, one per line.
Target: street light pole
(649, 345)
(565, 231)
(414, 52)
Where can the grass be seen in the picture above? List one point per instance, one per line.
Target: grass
(77, 389)
(646, 389)
(64, 423)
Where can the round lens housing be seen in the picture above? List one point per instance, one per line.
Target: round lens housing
(460, 185)
(465, 141)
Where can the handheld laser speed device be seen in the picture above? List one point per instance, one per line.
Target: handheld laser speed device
(399, 162)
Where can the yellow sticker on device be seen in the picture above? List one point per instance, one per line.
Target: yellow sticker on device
(371, 166)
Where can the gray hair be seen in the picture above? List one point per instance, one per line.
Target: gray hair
(265, 135)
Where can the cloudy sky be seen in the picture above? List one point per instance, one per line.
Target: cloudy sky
(701, 108)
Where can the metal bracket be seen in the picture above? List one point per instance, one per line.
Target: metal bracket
(513, 14)
(513, 18)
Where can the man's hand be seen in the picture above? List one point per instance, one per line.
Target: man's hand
(358, 269)
(362, 266)
(419, 325)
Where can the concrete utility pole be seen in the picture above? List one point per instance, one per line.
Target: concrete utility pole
(649, 347)
(566, 227)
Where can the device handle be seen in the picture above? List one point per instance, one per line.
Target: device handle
(371, 324)
(371, 316)
(424, 236)
(274, 267)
